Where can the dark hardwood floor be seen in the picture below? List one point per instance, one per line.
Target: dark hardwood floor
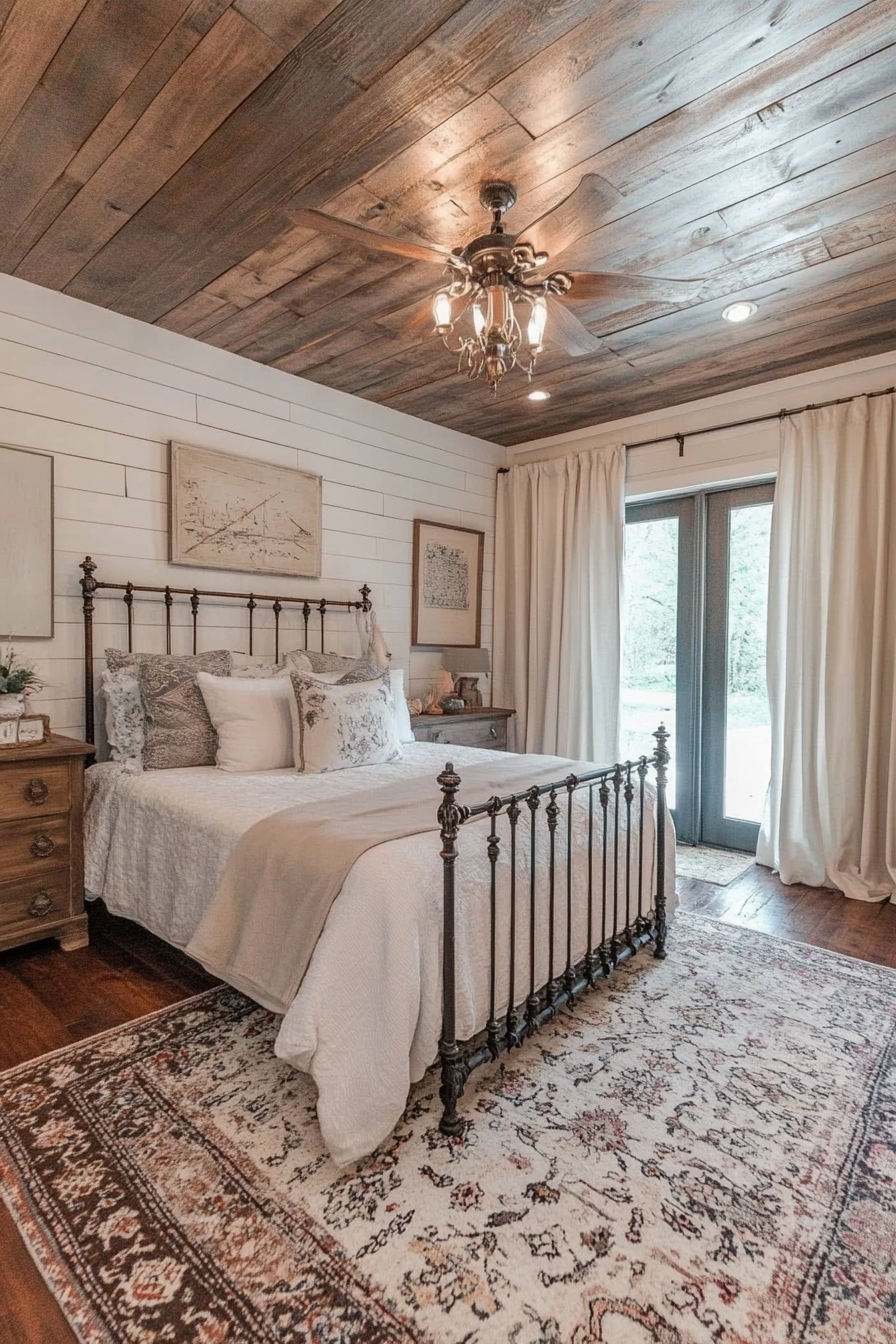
(51, 998)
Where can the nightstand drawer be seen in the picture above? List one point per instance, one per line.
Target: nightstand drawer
(34, 789)
(471, 733)
(35, 902)
(28, 848)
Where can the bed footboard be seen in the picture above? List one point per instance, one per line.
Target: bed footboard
(599, 816)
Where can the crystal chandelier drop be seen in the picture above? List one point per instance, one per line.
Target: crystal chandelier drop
(490, 291)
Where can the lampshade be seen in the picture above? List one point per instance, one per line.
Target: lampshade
(466, 662)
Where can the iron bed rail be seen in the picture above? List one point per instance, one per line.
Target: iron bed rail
(619, 914)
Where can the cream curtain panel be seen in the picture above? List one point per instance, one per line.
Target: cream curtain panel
(831, 811)
(558, 607)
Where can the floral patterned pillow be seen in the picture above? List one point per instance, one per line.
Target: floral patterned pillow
(177, 728)
(306, 660)
(124, 717)
(337, 727)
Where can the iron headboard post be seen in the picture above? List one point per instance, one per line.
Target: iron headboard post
(662, 760)
(88, 588)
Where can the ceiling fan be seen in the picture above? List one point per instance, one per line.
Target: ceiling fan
(499, 272)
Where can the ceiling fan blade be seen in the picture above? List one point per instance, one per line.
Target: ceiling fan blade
(567, 331)
(643, 288)
(576, 215)
(364, 237)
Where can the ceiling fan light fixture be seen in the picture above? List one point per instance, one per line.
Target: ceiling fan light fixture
(441, 312)
(478, 319)
(740, 311)
(539, 394)
(537, 320)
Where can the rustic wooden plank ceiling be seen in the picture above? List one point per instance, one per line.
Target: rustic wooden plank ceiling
(155, 156)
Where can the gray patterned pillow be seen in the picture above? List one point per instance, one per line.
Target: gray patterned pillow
(330, 662)
(178, 730)
(362, 671)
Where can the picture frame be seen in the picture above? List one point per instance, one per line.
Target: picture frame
(447, 585)
(26, 544)
(235, 513)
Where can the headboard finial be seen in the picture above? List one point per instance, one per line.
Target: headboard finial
(88, 583)
(365, 597)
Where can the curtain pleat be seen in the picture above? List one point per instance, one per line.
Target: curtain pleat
(831, 810)
(558, 602)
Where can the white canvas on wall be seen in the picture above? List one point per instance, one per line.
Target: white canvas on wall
(26, 544)
(235, 513)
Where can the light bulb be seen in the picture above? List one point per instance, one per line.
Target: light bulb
(739, 312)
(537, 319)
(441, 310)
(478, 319)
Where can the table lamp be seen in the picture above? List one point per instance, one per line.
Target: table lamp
(467, 666)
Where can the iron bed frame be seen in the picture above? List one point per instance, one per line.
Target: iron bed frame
(625, 916)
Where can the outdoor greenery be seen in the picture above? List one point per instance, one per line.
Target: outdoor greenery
(651, 582)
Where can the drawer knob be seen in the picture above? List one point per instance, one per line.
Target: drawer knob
(40, 905)
(37, 791)
(493, 732)
(42, 847)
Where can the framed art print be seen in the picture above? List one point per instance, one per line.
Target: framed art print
(447, 591)
(234, 513)
(26, 544)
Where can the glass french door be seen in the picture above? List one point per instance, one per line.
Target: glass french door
(696, 584)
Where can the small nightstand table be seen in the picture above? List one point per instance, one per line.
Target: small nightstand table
(473, 728)
(42, 843)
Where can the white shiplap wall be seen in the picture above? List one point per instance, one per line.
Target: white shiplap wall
(104, 394)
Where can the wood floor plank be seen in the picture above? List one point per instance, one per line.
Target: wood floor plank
(29, 1313)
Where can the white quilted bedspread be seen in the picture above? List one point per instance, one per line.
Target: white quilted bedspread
(366, 1020)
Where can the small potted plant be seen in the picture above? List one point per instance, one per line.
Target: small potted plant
(15, 679)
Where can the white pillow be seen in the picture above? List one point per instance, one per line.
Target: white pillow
(402, 713)
(336, 727)
(252, 719)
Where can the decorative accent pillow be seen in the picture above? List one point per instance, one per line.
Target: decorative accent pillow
(297, 661)
(256, 670)
(362, 671)
(252, 720)
(178, 730)
(322, 662)
(336, 727)
(124, 717)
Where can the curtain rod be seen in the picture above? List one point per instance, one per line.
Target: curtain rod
(737, 424)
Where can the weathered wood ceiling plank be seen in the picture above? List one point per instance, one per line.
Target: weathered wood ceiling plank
(156, 159)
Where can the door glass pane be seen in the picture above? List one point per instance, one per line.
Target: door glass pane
(747, 727)
(651, 624)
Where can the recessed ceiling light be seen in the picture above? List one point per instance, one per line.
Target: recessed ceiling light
(539, 395)
(739, 312)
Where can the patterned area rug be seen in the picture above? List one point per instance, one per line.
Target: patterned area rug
(704, 1153)
(711, 865)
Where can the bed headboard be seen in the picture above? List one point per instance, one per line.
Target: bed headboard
(251, 601)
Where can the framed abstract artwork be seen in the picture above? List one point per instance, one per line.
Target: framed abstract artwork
(26, 544)
(234, 513)
(447, 585)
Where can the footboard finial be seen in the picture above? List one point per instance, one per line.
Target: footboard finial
(662, 760)
(453, 1074)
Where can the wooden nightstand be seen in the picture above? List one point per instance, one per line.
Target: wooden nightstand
(472, 728)
(42, 843)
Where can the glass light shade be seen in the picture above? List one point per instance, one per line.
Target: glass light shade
(441, 309)
(478, 319)
(537, 320)
(498, 307)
